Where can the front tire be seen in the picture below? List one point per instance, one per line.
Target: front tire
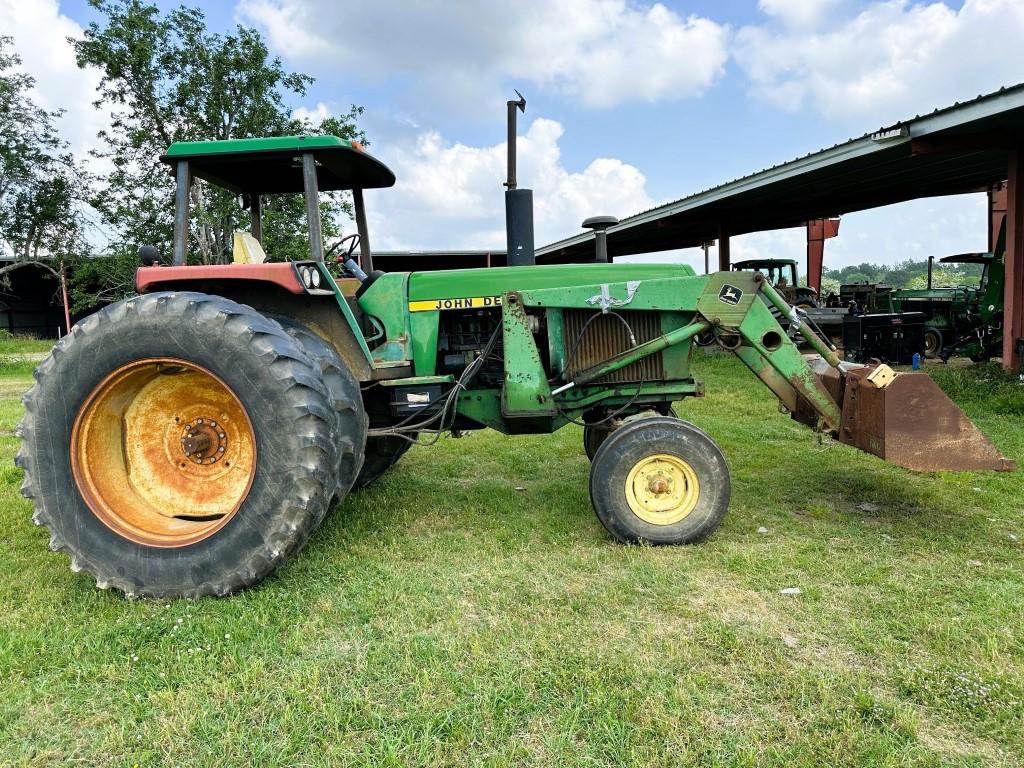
(178, 444)
(660, 480)
(594, 435)
(593, 439)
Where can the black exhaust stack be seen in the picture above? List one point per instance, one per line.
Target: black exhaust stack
(518, 202)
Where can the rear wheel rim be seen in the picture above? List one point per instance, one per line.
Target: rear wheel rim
(662, 489)
(163, 452)
(931, 343)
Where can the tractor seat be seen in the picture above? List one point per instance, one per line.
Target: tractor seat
(247, 249)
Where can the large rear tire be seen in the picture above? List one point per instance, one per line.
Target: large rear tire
(178, 445)
(350, 420)
(382, 453)
(932, 343)
(660, 480)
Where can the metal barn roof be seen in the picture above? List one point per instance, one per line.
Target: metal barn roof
(956, 149)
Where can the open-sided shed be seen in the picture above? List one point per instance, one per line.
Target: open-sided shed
(972, 146)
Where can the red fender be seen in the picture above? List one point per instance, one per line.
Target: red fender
(282, 274)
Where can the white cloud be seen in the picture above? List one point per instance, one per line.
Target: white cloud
(450, 195)
(798, 13)
(602, 52)
(315, 116)
(40, 31)
(890, 61)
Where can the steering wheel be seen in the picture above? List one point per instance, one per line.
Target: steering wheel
(353, 243)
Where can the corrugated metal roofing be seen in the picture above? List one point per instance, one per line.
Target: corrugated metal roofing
(951, 150)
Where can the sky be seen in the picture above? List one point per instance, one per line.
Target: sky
(630, 104)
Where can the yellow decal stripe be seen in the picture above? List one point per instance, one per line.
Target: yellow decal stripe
(467, 302)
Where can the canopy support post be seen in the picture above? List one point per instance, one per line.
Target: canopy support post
(312, 194)
(181, 199)
(365, 256)
(256, 218)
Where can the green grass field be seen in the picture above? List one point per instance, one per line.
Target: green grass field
(446, 617)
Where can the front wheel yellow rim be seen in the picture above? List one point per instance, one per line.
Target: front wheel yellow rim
(662, 489)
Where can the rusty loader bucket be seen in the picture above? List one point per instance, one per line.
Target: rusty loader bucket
(907, 420)
(903, 418)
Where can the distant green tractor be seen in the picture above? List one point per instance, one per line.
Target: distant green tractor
(964, 320)
(782, 274)
(187, 441)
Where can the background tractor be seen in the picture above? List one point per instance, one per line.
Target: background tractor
(963, 320)
(783, 275)
(188, 440)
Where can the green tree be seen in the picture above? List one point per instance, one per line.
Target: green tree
(942, 277)
(829, 285)
(41, 187)
(909, 273)
(167, 78)
(39, 182)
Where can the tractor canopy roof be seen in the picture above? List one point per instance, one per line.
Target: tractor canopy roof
(758, 263)
(967, 258)
(273, 165)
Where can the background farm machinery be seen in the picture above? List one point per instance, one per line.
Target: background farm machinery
(876, 321)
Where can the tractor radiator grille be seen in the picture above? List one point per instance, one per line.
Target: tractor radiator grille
(606, 337)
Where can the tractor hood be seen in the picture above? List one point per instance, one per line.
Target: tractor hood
(494, 281)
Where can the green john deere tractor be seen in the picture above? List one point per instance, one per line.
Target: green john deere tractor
(962, 320)
(188, 440)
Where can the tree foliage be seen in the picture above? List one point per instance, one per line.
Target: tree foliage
(167, 78)
(41, 187)
(909, 273)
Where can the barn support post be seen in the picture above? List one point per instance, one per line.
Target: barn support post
(1013, 296)
(996, 213)
(818, 231)
(724, 259)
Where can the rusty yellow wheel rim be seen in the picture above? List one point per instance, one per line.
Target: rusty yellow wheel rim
(662, 489)
(163, 452)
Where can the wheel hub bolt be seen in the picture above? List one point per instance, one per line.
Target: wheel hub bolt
(203, 441)
(195, 443)
(658, 484)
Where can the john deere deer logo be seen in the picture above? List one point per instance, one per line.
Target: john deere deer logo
(730, 294)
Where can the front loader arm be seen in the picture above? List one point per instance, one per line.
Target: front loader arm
(903, 418)
(725, 304)
(743, 324)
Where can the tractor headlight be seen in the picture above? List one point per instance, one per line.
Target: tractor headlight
(311, 277)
